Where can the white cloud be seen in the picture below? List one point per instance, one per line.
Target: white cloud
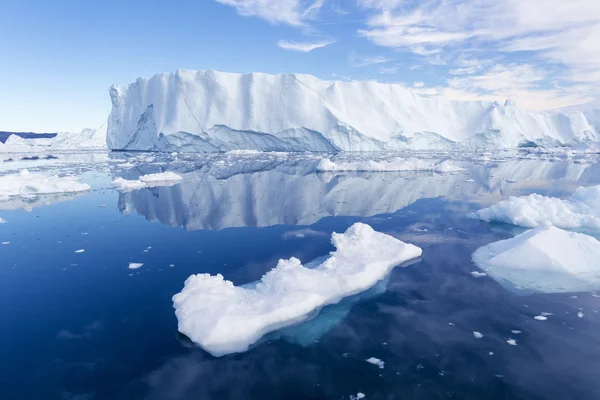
(303, 47)
(563, 34)
(357, 60)
(289, 12)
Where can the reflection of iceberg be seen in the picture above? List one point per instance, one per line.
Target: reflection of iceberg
(32, 201)
(263, 192)
(545, 259)
(224, 319)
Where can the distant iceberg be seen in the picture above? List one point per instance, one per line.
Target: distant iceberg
(581, 211)
(209, 111)
(544, 260)
(223, 318)
(86, 140)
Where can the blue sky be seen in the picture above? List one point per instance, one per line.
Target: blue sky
(59, 57)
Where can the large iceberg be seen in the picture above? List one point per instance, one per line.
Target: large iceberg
(545, 259)
(207, 111)
(581, 211)
(223, 318)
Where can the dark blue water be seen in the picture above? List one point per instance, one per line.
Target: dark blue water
(84, 326)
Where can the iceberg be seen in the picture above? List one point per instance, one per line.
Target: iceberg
(581, 211)
(398, 165)
(86, 140)
(223, 318)
(210, 111)
(543, 260)
(25, 183)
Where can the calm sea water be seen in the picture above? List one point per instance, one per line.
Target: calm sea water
(84, 326)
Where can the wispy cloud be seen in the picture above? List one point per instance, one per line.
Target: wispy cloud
(289, 12)
(357, 60)
(303, 47)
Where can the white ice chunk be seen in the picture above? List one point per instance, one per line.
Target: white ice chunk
(512, 342)
(477, 335)
(26, 183)
(135, 265)
(223, 318)
(150, 180)
(477, 274)
(581, 211)
(80, 251)
(2, 221)
(376, 361)
(545, 259)
(540, 318)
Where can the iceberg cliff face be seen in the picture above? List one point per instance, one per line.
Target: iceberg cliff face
(207, 111)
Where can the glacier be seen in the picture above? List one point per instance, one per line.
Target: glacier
(223, 318)
(210, 111)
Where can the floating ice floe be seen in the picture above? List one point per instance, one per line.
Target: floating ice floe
(80, 251)
(477, 335)
(376, 361)
(409, 164)
(223, 318)
(145, 181)
(26, 183)
(545, 259)
(135, 265)
(581, 211)
(2, 220)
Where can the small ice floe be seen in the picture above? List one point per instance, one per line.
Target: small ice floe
(580, 314)
(451, 323)
(546, 314)
(477, 274)
(5, 242)
(490, 353)
(376, 361)
(210, 309)
(512, 342)
(2, 221)
(540, 317)
(26, 183)
(171, 265)
(358, 396)
(544, 260)
(470, 180)
(581, 211)
(84, 233)
(135, 265)
(145, 181)
(516, 332)
(80, 251)
(477, 335)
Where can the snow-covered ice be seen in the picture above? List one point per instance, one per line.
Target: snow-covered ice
(545, 259)
(215, 111)
(26, 183)
(223, 318)
(145, 181)
(581, 211)
(397, 165)
(376, 361)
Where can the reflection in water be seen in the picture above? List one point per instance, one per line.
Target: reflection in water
(254, 193)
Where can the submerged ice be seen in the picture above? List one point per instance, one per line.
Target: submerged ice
(223, 318)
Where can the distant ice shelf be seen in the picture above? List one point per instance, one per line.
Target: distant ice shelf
(543, 260)
(223, 318)
(209, 111)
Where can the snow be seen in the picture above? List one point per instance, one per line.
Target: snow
(145, 181)
(209, 111)
(410, 164)
(133, 265)
(545, 259)
(581, 211)
(223, 318)
(26, 183)
(376, 361)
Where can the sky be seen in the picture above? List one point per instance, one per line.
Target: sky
(58, 58)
